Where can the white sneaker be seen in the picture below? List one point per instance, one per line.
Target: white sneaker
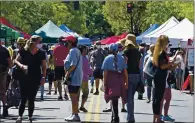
(74, 118)
(69, 117)
(19, 120)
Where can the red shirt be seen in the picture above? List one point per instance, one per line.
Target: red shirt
(60, 52)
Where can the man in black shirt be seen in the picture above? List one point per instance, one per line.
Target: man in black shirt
(5, 64)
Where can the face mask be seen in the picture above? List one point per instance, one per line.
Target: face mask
(39, 46)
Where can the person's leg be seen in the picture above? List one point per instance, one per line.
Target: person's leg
(168, 96)
(158, 95)
(123, 107)
(149, 89)
(42, 91)
(97, 82)
(115, 116)
(55, 87)
(92, 83)
(31, 101)
(23, 100)
(50, 86)
(3, 84)
(85, 90)
(59, 82)
(73, 90)
(65, 93)
(132, 84)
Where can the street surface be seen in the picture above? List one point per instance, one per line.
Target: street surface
(51, 110)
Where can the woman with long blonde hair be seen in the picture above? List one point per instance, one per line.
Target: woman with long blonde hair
(162, 64)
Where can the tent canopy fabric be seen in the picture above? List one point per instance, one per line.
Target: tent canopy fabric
(50, 30)
(167, 25)
(152, 28)
(5, 22)
(84, 41)
(69, 31)
(113, 39)
(180, 32)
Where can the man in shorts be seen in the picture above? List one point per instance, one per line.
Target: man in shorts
(98, 56)
(60, 53)
(5, 63)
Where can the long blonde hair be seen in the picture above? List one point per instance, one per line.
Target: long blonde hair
(160, 45)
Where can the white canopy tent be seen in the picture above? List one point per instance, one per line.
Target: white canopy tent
(167, 25)
(178, 33)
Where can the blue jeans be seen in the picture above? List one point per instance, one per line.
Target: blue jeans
(42, 90)
(133, 80)
(92, 80)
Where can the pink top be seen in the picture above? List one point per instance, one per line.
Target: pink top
(60, 52)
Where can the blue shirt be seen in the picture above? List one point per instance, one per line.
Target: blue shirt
(74, 58)
(108, 63)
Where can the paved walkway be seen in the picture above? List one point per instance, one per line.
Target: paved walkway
(51, 110)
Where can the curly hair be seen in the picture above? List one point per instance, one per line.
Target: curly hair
(160, 45)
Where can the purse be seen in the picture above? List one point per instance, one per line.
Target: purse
(68, 81)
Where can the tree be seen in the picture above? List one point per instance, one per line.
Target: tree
(121, 21)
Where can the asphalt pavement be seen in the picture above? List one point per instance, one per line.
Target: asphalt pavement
(52, 110)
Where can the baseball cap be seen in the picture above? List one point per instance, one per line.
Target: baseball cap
(69, 38)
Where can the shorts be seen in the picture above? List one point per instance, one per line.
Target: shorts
(3, 83)
(179, 73)
(59, 73)
(73, 89)
(98, 74)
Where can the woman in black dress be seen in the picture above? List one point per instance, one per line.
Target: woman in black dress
(30, 60)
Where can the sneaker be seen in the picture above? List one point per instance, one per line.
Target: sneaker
(74, 118)
(168, 118)
(68, 117)
(5, 112)
(30, 119)
(60, 98)
(123, 110)
(91, 90)
(148, 101)
(66, 97)
(19, 120)
(83, 109)
(107, 110)
(55, 93)
(49, 93)
(96, 93)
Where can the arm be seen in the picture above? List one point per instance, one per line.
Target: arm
(105, 76)
(10, 62)
(126, 76)
(16, 61)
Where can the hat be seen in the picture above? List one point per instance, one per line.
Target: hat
(69, 38)
(52, 48)
(131, 39)
(21, 40)
(37, 37)
(113, 47)
(122, 42)
(34, 38)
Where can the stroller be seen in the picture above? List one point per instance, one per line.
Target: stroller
(13, 92)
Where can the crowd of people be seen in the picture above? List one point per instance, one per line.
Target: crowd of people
(121, 68)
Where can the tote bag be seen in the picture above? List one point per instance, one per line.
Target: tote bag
(149, 68)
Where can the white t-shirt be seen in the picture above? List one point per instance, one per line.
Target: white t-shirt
(179, 59)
